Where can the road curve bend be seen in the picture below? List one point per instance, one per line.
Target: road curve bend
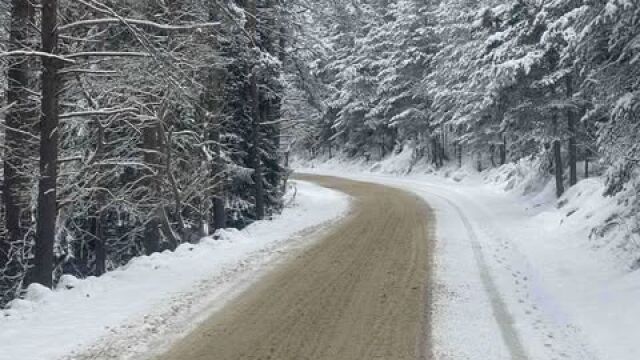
(360, 292)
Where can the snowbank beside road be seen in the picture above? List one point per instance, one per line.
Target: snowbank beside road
(611, 228)
(143, 305)
(519, 273)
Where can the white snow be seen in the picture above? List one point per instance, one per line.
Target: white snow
(519, 273)
(138, 309)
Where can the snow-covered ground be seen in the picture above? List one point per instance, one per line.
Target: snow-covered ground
(519, 274)
(138, 309)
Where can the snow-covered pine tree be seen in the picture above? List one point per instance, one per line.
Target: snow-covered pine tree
(146, 152)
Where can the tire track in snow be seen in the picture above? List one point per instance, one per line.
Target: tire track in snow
(501, 313)
(543, 331)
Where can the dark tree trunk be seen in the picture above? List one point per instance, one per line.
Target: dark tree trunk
(49, 134)
(571, 119)
(434, 151)
(16, 182)
(443, 149)
(441, 153)
(214, 131)
(459, 155)
(258, 181)
(173, 240)
(255, 160)
(258, 175)
(586, 167)
(492, 151)
(219, 211)
(557, 164)
(99, 247)
(503, 151)
(586, 163)
(16, 191)
(166, 141)
(151, 238)
(95, 212)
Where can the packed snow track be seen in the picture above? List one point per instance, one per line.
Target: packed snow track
(360, 292)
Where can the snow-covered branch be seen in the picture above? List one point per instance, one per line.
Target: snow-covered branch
(145, 23)
(36, 54)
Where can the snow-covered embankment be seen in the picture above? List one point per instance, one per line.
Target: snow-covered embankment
(140, 308)
(519, 273)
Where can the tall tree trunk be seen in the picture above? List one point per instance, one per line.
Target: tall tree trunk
(503, 151)
(492, 151)
(213, 131)
(586, 163)
(16, 187)
(571, 119)
(434, 151)
(258, 176)
(255, 160)
(16, 182)
(219, 211)
(258, 181)
(443, 148)
(166, 141)
(97, 233)
(49, 134)
(151, 238)
(557, 164)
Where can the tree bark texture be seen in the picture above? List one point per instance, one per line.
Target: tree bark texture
(49, 135)
(16, 189)
(557, 164)
(573, 151)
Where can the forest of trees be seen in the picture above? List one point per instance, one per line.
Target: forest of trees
(481, 81)
(131, 126)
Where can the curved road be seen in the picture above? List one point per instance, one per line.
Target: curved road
(360, 292)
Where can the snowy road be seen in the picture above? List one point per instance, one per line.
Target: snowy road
(357, 293)
(490, 301)
(509, 282)
(137, 310)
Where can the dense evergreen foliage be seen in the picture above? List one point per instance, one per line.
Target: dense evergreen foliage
(491, 81)
(150, 123)
(132, 126)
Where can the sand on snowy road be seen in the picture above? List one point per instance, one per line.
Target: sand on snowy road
(359, 292)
